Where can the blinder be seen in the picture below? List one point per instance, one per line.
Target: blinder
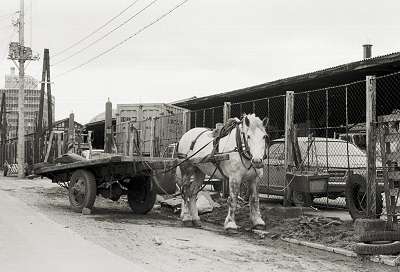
(243, 146)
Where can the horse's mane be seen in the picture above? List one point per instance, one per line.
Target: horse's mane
(254, 121)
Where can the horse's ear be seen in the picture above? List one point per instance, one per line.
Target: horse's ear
(265, 122)
(247, 121)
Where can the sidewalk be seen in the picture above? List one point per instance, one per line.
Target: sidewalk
(29, 241)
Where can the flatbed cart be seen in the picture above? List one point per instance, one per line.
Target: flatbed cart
(113, 176)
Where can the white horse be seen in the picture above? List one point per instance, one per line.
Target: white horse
(246, 145)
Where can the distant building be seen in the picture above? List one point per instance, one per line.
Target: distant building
(11, 81)
(32, 98)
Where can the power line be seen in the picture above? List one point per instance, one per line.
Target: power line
(105, 35)
(125, 40)
(96, 30)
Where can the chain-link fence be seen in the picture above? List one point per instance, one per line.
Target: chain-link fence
(272, 108)
(330, 126)
(388, 147)
(206, 117)
(330, 132)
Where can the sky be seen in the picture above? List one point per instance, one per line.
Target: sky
(204, 47)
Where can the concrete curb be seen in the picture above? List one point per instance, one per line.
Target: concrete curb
(387, 260)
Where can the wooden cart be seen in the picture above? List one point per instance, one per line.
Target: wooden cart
(113, 176)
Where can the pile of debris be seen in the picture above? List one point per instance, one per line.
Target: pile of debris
(205, 203)
(328, 229)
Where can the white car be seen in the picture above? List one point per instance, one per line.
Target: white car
(343, 161)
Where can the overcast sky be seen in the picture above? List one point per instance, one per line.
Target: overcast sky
(204, 47)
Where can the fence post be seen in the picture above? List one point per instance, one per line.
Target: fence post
(185, 121)
(108, 137)
(371, 144)
(288, 143)
(71, 130)
(152, 136)
(227, 115)
(227, 111)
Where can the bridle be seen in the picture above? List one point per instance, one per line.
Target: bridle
(243, 146)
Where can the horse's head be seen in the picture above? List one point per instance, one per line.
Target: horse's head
(254, 133)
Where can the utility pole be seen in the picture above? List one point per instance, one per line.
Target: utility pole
(18, 52)
(21, 96)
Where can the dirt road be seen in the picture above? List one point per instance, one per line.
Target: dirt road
(159, 243)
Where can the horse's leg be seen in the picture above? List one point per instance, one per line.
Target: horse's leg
(194, 189)
(234, 188)
(255, 215)
(186, 174)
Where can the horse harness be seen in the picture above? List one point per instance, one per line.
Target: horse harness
(242, 146)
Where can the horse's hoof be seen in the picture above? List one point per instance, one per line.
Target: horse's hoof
(187, 223)
(259, 227)
(231, 227)
(258, 223)
(231, 231)
(196, 223)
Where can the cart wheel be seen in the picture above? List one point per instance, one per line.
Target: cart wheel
(356, 197)
(141, 195)
(82, 190)
(301, 199)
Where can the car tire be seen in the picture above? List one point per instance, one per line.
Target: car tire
(373, 236)
(392, 248)
(356, 198)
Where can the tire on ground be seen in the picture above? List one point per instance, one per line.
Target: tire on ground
(87, 179)
(302, 199)
(356, 198)
(374, 236)
(141, 195)
(392, 248)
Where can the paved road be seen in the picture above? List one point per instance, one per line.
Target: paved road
(29, 241)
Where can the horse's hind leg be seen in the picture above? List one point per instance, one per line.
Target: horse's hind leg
(192, 190)
(234, 188)
(186, 174)
(255, 215)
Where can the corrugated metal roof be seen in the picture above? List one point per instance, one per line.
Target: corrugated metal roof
(351, 67)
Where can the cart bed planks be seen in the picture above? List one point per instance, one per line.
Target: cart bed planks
(136, 162)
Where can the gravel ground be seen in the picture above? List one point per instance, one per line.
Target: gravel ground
(158, 241)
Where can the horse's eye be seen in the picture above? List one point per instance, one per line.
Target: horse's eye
(248, 136)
